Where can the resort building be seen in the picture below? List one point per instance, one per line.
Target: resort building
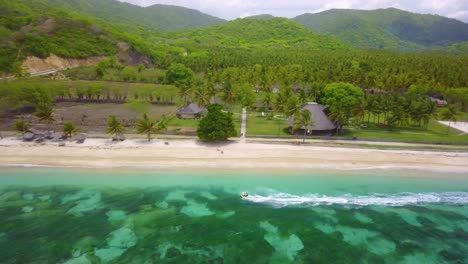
(439, 102)
(322, 124)
(191, 111)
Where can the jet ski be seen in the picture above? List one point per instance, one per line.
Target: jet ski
(244, 195)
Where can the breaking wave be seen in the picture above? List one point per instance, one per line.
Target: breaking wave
(400, 199)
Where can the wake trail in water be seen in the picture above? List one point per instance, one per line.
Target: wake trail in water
(400, 199)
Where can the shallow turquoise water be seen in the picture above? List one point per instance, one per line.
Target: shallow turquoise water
(122, 216)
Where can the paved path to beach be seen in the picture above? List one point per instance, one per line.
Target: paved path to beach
(244, 123)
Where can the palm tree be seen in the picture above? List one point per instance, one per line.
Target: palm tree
(202, 96)
(69, 129)
(450, 114)
(361, 110)
(163, 123)
(304, 120)
(146, 126)
(114, 127)
(21, 126)
(338, 116)
(229, 95)
(45, 113)
(266, 99)
(431, 112)
(293, 106)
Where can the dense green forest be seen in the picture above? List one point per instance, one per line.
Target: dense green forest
(387, 28)
(39, 29)
(267, 53)
(248, 34)
(161, 18)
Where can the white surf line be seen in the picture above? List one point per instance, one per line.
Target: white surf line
(400, 199)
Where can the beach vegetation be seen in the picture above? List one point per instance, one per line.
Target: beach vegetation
(45, 113)
(69, 130)
(217, 125)
(21, 126)
(115, 127)
(147, 126)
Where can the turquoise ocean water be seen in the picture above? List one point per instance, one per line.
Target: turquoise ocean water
(188, 216)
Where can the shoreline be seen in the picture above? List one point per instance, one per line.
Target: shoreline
(191, 154)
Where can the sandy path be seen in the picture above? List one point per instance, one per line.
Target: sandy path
(101, 153)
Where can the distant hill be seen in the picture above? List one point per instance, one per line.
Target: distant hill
(162, 18)
(254, 33)
(387, 28)
(263, 16)
(460, 48)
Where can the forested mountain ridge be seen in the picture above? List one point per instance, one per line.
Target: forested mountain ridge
(251, 33)
(160, 18)
(387, 28)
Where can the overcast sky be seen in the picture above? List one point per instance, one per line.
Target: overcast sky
(230, 9)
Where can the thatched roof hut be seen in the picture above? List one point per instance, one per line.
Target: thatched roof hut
(191, 111)
(323, 125)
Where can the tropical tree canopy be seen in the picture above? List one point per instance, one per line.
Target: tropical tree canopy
(179, 75)
(216, 125)
(343, 95)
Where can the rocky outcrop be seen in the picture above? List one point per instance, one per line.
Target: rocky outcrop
(34, 65)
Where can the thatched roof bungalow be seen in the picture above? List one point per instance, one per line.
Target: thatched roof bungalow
(323, 125)
(191, 111)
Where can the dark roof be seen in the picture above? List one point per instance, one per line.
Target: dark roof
(318, 115)
(192, 108)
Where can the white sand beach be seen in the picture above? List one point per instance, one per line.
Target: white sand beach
(103, 153)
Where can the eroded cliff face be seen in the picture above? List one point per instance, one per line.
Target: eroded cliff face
(33, 65)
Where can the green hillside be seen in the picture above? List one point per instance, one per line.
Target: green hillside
(39, 28)
(256, 33)
(160, 18)
(387, 28)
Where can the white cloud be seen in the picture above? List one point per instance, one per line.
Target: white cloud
(230, 9)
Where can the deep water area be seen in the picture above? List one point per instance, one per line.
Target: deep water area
(108, 216)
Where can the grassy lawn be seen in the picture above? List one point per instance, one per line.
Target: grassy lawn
(260, 126)
(192, 124)
(434, 133)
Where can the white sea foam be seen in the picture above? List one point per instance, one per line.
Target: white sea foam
(400, 199)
